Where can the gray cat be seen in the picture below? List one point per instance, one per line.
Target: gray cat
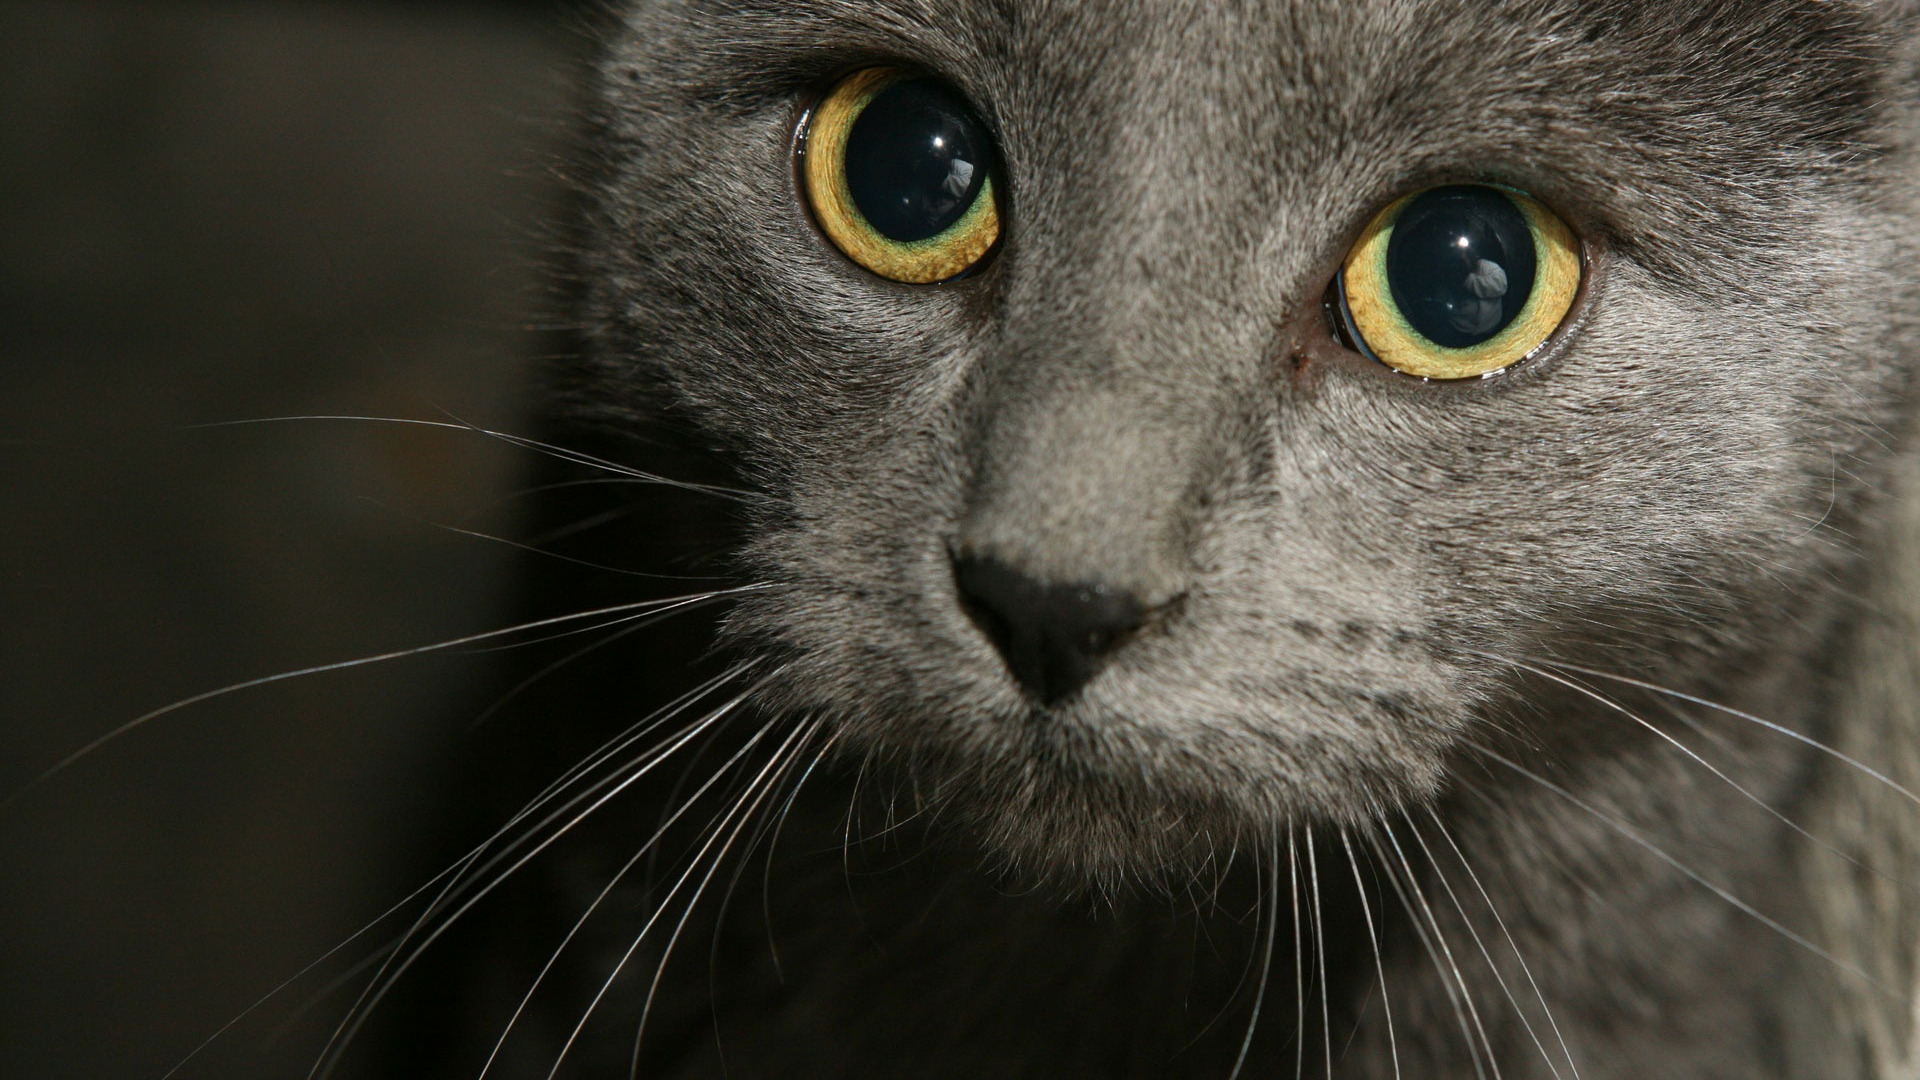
(1396, 519)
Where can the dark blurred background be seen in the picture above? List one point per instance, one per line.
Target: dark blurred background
(230, 211)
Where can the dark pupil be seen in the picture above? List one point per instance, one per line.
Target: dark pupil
(1460, 264)
(916, 159)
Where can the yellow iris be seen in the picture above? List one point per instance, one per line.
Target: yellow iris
(1387, 333)
(948, 254)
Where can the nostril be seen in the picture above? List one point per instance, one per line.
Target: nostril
(1052, 637)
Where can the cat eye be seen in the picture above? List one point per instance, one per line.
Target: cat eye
(899, 173)
(1458, 281)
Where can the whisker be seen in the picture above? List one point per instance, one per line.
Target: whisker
(1683, 715)
(371, 997)
(1299, 961)
(339, 665)
(465, 875)
(527, 683)
(1272, 899)
(562, 453)
(337, 983)
(1373, 937)
(773, 845)
(663, 608)
(1615, 706)
(1485, 954)
(532, 490)
(1738, 904)
(612, 883)
(458, 867)
(693, 866)
(534, 549)
(846, 832)
(675, 796)
(1769, 725)
(1435, 941)
(1447, 835)
(765, 827)
(585, 524)
(617, 746)
(621, 775)
(896, 821)
(1211, 905)
(1320, 956)
(797, 743)
(376, 956)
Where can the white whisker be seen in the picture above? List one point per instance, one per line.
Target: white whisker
(1373, 938)
(1653, 849)
(1769, 725)
(453, 871)
(1614, 706)
(1434, 938)
(1272, 901)
(370, 998)
(342, 665)
(787, 755)
(713, 835)
(1472, 932)
(1320, 956)
(662, 609)
(562, 453)
(607, 890)
(1299, 961)
(773, 845)
(1447, 835)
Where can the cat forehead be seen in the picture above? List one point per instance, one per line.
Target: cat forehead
(1788, 56)
(1686, 127)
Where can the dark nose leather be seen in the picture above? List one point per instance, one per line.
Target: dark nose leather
(1053, 637)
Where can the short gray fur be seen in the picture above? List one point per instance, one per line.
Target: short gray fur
(1708, 485)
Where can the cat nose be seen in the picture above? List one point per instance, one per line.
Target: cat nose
(1053, 637)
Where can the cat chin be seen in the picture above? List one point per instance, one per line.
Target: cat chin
(1079, 822)
(1119, 789)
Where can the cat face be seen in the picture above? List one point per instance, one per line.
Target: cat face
(1330, 568)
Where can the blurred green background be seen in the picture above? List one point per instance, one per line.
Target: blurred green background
(229, 211)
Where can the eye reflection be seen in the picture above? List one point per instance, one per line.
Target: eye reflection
(1460, 264)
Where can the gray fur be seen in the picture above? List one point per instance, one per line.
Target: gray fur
(1704, 485)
